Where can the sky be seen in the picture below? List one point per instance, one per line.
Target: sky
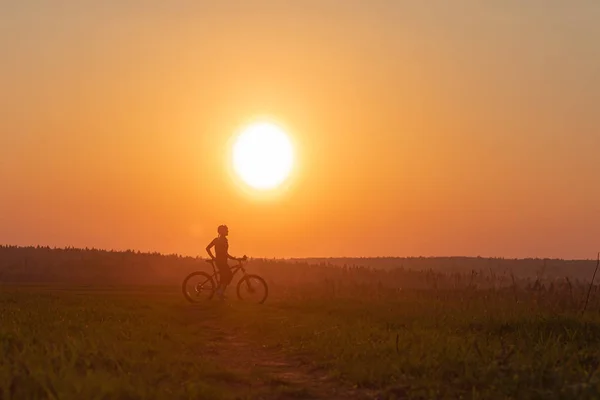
(421, 128)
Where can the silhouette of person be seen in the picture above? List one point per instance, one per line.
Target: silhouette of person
(221, 245)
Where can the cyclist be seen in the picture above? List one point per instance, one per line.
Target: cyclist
(221, 245)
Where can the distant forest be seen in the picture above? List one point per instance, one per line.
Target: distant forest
(522, 267)
(92, 266)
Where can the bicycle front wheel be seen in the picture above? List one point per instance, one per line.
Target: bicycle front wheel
(252, 288)
(198, 286)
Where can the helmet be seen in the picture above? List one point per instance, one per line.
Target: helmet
(222, 229)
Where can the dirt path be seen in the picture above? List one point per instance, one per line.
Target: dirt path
(270, 374)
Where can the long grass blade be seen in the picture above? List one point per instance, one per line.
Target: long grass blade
(587, 300)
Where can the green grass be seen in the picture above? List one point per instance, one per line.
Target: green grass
(445, 349)
(57, 344)
(147, 343)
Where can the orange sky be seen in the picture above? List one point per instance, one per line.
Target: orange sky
(423, 128)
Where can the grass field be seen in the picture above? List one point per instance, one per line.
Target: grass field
(147, 342)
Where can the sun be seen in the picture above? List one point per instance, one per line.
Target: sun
(263, 156)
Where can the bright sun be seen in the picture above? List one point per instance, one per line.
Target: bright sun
(263, 156)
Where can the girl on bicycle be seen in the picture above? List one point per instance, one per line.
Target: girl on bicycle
(221, 245)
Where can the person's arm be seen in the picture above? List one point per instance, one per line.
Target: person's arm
(210, 246)
(235, 258)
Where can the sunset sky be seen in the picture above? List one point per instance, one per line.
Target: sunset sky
(427, 128)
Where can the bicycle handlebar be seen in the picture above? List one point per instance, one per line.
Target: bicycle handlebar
(239, 260)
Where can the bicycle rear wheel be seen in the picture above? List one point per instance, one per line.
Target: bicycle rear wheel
(252, 288)
(198, 286)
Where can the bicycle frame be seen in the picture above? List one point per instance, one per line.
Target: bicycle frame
(234, 269)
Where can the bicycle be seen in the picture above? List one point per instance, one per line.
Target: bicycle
(205, 289)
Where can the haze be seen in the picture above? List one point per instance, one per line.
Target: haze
(423, 128)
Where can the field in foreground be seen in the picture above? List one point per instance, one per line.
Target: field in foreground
(147, 342)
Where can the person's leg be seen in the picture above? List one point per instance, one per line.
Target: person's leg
(225, 277)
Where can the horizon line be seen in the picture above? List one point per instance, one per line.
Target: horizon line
(179, 255)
